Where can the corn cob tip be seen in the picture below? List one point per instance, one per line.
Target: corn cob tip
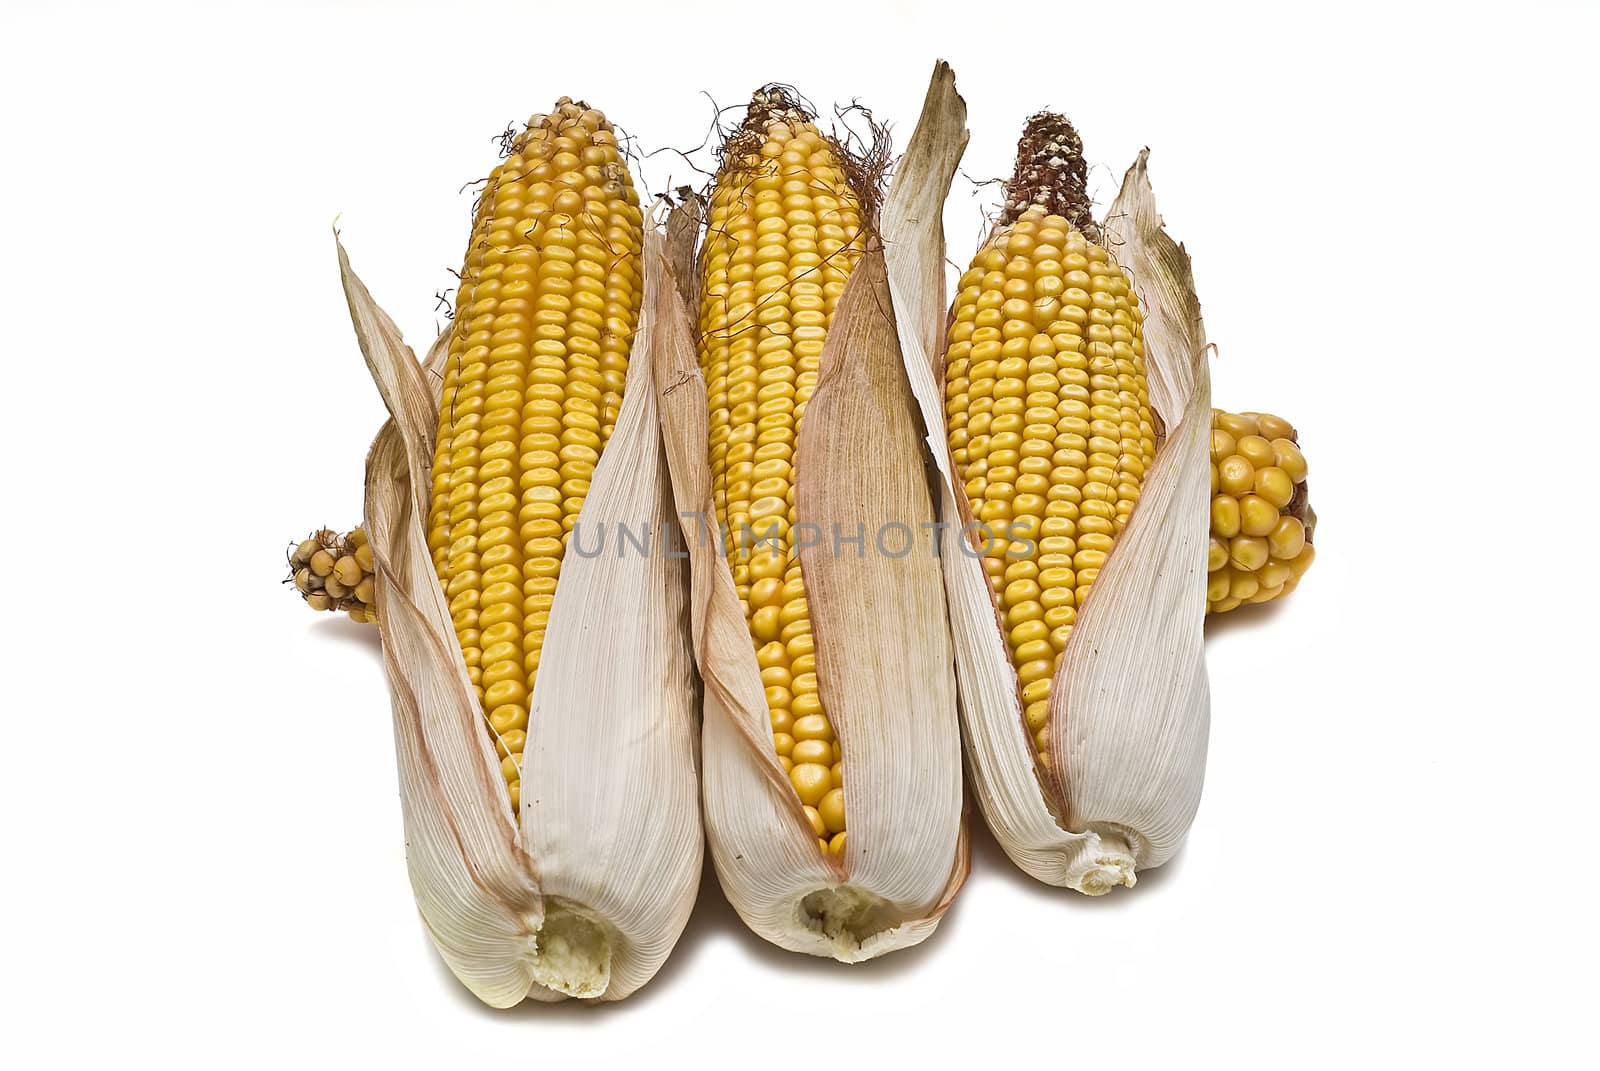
(769, 105)
(775, 100)
(1051, 174)
(778, 112)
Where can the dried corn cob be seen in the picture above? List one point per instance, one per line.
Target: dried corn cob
(1085, 706)
(545, 315)
(1047, 408)
(791, 417)
(575, 890)
(785, 230)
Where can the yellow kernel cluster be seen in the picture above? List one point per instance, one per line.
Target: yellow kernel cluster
(545, 315)
(334, 572)
(1260, 547)
(784, 231)
(1050, 427)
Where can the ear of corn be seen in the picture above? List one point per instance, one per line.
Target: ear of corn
(576, 890)
(1049, 425)
(825, 391)
(545, 314)
(784, 231)
(1079, 638)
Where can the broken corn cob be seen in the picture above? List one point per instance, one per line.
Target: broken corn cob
(1260, 517)
(334, 572)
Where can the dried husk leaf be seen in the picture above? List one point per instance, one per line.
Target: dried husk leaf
(911, 223)
(587, 896)
(884, 651)
(884, 662)
(1130, 707)
(683, 233)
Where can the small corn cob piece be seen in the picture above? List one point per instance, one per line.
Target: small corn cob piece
(545, 315)
(334, 572)
(785, 229)
(1261, 519)
(1047, 410)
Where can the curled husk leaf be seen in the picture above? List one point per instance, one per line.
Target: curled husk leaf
(883, 643)
(1130, 706)
(586, 894)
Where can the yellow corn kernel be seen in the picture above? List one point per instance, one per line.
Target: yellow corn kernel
(1287, 538)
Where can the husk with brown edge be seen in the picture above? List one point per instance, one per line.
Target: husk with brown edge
(586, 896)
(883, 643)
(1130, 707)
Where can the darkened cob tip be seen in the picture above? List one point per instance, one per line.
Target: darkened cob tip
(1052, 174)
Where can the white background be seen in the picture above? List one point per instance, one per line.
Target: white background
(1392, 216)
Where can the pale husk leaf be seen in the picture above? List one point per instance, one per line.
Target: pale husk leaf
(884, 662)
(683, 234)
(1161, 273)
(611, 790)
(761, 843)
(999, 757)
(472, 870)
(1131, 707)
(883, 641)
(912, 226)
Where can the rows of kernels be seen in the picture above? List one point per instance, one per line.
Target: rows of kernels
(1049, 426)
(545, 315)
(1258, 548)
(784, 231)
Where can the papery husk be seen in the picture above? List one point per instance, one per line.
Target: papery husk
(883, 644)
(1130, 707)
(586, 896)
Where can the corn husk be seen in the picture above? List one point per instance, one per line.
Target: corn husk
(883, 644)
(1130, 708)
(587, 893)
